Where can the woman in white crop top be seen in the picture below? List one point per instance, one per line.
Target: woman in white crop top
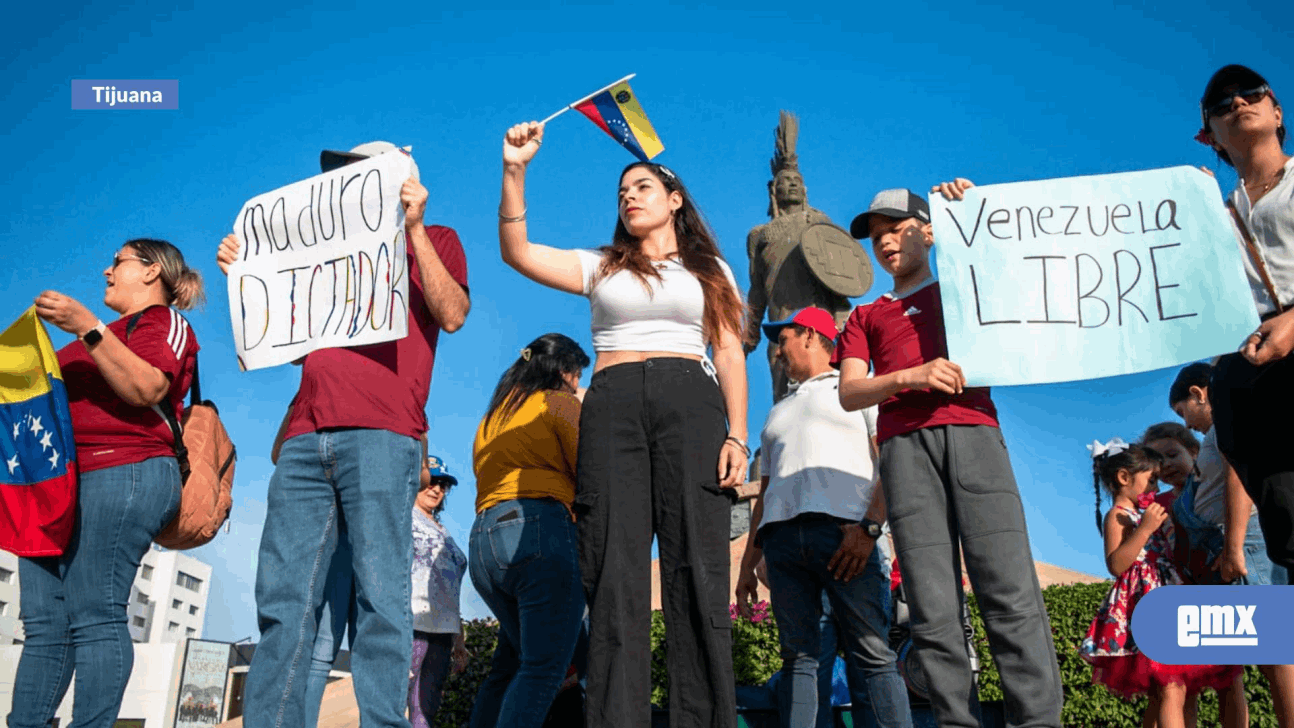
(662, 437)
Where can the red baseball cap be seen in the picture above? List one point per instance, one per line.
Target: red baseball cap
(813, 317)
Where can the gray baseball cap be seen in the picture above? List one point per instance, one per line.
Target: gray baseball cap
(897, 203)
(330, 160)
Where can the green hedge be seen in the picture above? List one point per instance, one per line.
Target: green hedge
(460, 690)
(755, 659)
(1071, 608)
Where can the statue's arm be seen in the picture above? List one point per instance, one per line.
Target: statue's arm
(757, 298)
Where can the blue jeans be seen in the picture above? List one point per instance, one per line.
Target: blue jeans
(1261, 570)
(1211, 538)
(74, 605)
(833, 685)
(336, 614)
(370, 476)
(796, 553)
(524, 564)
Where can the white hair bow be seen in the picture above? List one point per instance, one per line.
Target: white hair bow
(1113, 447)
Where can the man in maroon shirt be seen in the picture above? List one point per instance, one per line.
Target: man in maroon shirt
(947, 479)
(351, 455)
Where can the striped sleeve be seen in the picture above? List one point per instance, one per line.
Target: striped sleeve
(164, 339)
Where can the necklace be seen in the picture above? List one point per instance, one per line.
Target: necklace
(1280, 174)
(661, 263)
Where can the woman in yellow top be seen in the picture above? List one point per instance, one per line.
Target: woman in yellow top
(523, 556)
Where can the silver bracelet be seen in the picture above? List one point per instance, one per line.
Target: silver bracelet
(519, 218)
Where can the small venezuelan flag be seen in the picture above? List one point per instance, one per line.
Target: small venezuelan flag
(617, 112)
(37, 451)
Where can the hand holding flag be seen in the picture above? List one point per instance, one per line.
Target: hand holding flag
(38, 473)
(521, 143)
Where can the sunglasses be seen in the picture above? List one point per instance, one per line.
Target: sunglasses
(1251, 96)
(118, 258)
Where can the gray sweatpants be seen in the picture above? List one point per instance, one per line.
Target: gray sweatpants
(950, 484)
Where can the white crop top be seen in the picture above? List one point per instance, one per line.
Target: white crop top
(626, 317)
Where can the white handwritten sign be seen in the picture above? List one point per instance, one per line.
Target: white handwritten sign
(1089, 277)
(323, 264)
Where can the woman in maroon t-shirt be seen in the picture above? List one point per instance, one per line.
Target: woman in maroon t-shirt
(74, 605)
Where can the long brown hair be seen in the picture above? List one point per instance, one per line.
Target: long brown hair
(697, 251)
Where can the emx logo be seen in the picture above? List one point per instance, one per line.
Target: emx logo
(1215, 625)
(1210, 625)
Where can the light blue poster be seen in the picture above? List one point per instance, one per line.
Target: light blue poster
(1088, 277)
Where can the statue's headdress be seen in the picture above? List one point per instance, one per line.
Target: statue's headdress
(785, 136)
(784, 156)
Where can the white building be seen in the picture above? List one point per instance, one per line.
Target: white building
(10, 627)
(168, 601)
(167, 604)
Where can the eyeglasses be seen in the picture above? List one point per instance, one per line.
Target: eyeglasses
(1251, 96)
(117, 259)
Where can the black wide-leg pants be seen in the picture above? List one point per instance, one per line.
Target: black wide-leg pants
(650, 435)
(1253, 414)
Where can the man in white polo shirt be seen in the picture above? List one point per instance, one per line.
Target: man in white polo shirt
(815, 525)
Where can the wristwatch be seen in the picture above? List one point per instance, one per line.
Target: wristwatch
(94, 335)
(871, 528)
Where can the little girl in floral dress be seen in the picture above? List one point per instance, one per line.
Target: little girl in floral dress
(1137, 555)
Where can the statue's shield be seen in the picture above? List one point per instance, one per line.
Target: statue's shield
(837, 260)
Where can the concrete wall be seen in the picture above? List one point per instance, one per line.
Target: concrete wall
(150, 694)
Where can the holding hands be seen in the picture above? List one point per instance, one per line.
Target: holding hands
(521, 143)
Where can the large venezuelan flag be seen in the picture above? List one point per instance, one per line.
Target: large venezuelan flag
(37, 452)
(617, 112)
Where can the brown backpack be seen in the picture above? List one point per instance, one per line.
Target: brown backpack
(206, 456)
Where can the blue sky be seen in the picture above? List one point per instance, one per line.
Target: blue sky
(903, 94)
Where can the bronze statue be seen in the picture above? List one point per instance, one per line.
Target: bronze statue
(798, 258)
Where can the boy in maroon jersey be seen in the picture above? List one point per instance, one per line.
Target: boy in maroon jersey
(947, 478)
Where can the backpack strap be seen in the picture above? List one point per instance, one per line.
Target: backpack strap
(181, 452)
(1256, 257)
(134, 322)
(177, 432)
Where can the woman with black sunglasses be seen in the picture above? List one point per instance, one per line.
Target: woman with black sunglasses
(1252, 392)
(662, 437)
(118, 377)
(1244, 124)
